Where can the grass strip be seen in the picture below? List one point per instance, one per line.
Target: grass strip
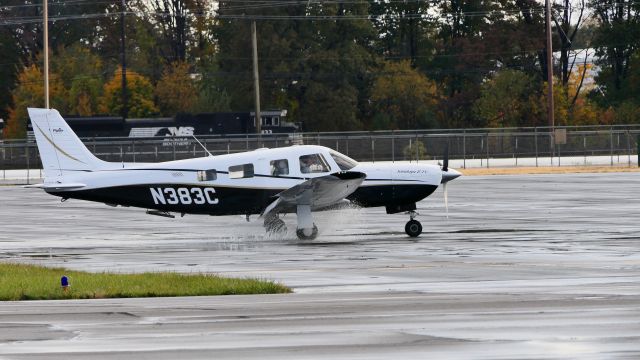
(31, 282)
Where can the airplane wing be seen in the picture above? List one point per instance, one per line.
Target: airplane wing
(320, 192)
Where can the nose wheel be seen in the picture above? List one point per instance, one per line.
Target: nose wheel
(413, 227)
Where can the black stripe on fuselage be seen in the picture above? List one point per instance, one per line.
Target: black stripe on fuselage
(225, 200)
(182, 198)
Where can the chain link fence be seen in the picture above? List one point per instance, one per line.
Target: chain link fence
(468, 148)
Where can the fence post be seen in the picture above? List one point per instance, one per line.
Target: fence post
(618, 147)
(516, 152)
(4, 167)
(410, 149)
(418, 150)
(535, 140)
(584, 148)
(464, 149)
(559, 155)
(393, 147)
(611, 143)
(373, 149)
(487, 150)
(481, 150)
(629, 147)
(26, 152)
(133, 149)
(347, 146)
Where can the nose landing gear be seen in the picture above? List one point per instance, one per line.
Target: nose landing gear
(413, 227)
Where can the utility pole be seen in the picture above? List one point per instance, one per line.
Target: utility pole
(550, 77)
(256, 81)
(125, 105)
(45, 8)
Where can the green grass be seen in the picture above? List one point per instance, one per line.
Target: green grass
(30, 282)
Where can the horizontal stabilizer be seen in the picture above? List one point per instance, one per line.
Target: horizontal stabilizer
(57, 187)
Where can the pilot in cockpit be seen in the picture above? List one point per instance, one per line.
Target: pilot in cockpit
(306, 162)
(279, 167)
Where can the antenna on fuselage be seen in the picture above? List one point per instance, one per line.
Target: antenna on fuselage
(205, 149)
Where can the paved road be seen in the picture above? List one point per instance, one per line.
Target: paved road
(537, 266)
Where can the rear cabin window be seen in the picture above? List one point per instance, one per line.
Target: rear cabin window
(314, 163)
(241, 171)
(279, 167)
(207, 175)
(344, 163)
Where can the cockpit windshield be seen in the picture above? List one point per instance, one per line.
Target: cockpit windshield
(313, 163)
(344, 163)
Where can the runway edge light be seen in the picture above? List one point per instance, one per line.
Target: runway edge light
(64, 282)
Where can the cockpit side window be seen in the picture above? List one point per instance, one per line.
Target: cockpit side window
(279, 167)
(344, 163)
(313, 163)
(207, 175)
(241, 171)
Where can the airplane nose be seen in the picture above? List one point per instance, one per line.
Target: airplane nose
(449, 175)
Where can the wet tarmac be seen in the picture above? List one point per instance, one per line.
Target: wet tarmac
(525, 267)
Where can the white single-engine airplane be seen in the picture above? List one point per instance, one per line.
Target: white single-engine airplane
(296, 179)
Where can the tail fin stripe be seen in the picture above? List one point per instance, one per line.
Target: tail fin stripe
(57, 147)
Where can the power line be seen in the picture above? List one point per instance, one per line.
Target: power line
(309, 17)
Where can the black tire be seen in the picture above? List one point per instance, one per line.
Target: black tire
(413, 228)
(303, 236)
(276, 226)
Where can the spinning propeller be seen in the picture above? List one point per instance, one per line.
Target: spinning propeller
(447, 175)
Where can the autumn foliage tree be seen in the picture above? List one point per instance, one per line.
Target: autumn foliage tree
(508, 99)
(81, 72)
(139, 95)
(405, 95)
(30, 93)
(176, 91)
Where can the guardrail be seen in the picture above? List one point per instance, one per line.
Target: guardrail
(618, 143)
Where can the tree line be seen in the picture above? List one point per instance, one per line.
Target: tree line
(335, 65)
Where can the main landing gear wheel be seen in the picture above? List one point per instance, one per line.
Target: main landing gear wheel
(413, 228)
(307, 234)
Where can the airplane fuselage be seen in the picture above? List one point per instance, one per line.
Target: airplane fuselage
(299, 179)
(179, 186)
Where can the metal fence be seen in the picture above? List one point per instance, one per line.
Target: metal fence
(468, 147)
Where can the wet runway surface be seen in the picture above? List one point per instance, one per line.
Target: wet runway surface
(532, 266)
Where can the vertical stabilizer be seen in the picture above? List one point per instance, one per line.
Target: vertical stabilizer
(61, 151)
